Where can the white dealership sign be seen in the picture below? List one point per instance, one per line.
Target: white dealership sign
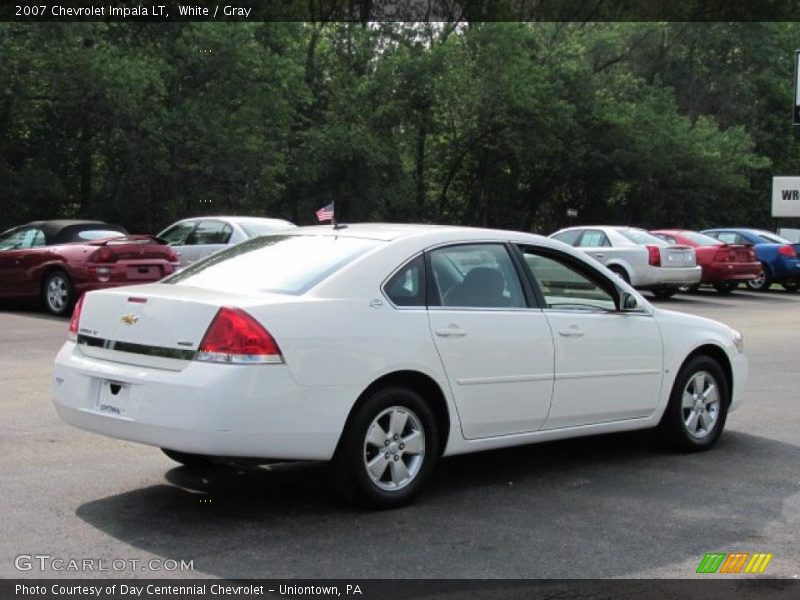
(786, 196)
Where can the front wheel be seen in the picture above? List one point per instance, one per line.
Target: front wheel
(698, 406)
(58, 293)
(388, 449)
(791, 285)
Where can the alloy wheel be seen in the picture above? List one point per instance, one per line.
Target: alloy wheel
(394, 448)
(700, 404)
(57, 293)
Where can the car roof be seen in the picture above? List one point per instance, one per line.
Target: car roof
(233, 218)
(54, 227)
(396, 231)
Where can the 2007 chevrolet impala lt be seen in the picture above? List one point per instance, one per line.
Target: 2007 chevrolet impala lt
(383, 347)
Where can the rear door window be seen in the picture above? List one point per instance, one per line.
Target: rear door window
(210, 232)
(593, 238)
(407, 286)
(568, 237)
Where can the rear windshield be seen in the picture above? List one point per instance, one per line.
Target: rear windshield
(284, 264)
(771, 238)
(641, 237)
(701, 239)
(254, 228)
(88, 235)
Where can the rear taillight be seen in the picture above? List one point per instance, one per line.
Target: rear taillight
(725, 254)
(236, 337)
(172, 255)
(74, 322)
(654, 256)
(787, 251)
(103, 255)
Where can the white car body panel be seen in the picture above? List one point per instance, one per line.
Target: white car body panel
(634, 259)
(502, 383)
(189, 254)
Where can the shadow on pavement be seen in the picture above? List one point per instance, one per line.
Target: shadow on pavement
(606, 506)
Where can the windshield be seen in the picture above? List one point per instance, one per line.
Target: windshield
(284, 264)
(701, 239)
(641, 237)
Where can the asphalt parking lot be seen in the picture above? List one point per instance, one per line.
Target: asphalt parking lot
(612, 506)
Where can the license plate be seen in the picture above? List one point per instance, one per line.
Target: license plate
(112, 397)
(144, 273)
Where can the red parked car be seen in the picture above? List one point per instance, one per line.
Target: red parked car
(58, 261)
(724, 265)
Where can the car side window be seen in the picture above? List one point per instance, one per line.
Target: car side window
(178, 234)
(568, 237)
(667, 238)
(407, 286)
(565, 286)
(475, 276)
(728, 237)
(22, 239)
(593, 238)
(210, 232)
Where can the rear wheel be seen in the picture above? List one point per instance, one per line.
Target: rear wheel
(698, 406)
(196, 461)
(791, 285)
(388, 450)
(726, 287)
(762, 282)
(620, 272)
(663, 293)
(58, 293)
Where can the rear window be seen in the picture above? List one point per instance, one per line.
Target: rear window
(254, 228)
(771, 238)
(641, 237)
(701, 239)
(87, 235)
(284, 264)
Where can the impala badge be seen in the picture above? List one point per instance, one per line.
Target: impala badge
(129, 319)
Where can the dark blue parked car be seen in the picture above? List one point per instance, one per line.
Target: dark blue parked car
(777, 255)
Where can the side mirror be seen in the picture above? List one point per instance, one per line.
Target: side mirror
(629, 302)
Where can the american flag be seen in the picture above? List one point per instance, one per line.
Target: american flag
(325, 213)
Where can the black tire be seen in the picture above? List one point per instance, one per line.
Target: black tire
(674, 429)
(58, 293)
(350, 462)
(763, 283)
(620, 272)
(195, 461)
(791, 285)
(726, 287)
(664, 293)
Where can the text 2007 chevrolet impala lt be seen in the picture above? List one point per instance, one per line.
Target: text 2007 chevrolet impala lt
(383, 347)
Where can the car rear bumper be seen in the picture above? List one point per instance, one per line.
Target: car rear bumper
(787, 268)
(654, 277)
(255, 411)
(720, 271)
(128, 272)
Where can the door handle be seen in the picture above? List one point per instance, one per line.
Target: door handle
(599, 255)
(572, 331)
(453, 332)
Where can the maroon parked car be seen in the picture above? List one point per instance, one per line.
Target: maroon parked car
(724, 265)
(58, 261)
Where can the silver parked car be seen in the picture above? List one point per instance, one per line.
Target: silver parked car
(198, 237)
(637, 256)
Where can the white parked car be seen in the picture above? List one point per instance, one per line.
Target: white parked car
(384, 347)
(198, 237)
(637, 256)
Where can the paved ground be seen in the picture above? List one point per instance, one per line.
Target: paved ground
(614, 506)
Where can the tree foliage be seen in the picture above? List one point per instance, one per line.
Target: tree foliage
(496, 124)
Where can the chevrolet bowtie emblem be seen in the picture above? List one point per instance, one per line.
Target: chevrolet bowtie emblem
(129, 319)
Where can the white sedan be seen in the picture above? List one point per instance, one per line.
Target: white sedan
(198, 237)
(637, 256)
(383, 347)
